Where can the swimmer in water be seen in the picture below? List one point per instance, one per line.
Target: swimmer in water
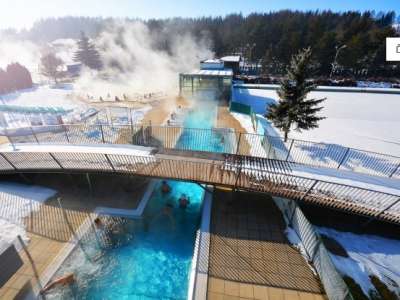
(183, 201)
(67, 279)
(165, 188)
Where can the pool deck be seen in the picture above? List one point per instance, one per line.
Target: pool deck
(250, 257)
(226, 120)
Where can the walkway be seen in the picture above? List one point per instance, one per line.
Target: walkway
(250, 256)
(284, 179)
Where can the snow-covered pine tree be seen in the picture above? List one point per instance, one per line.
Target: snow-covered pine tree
(87, 53)
(293, 107)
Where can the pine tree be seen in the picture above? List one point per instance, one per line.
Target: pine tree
(87, 53)
(293, 107)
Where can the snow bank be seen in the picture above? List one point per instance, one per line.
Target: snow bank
(16, 202)
(98, 148)
(360, 120)
(368, 255)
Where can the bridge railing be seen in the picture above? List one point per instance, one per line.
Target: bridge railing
(233, 171)
(221, 140)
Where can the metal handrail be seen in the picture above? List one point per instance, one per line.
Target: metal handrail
(385, 164)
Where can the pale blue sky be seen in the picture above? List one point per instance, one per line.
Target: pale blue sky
(22, 13)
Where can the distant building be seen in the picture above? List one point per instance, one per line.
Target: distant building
(232, 62)
(212, 76)
(74, 70)
(212, 64)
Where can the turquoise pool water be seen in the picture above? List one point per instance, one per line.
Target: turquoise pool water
(151, 258)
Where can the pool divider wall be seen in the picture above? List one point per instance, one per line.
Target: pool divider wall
(130, 213)
(199, 268)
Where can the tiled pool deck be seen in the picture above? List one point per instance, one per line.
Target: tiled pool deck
(250, 257)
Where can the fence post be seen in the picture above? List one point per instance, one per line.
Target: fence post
(131, 119)
(34, 135)
(239, 171)
(290, 149)
(394, 171)
(56, 160)
(11, 164)
(238, 143)
(102, 134)
(66, 134)
(270, 146)
(109, 162)
(344, 157)
(28, 255)
(309, 190)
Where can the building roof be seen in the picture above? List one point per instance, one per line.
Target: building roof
(224, 73)
(231, 58)
(212, 61)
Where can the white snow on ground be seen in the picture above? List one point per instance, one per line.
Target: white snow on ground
(368, 255)
(381, 184)
(16, 202)
(98, 148)
(43, 96)
(47, 96)
(360, 120)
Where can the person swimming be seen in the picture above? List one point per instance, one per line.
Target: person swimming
(165, 188)
(98, 223)
(167, 211)
(64, 280)
(184, 201)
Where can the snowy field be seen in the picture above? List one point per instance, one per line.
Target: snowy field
(368, 255)
(16, 202)
(360, 120)
(43, 96)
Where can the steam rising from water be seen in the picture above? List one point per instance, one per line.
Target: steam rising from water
(131, 54)
(134, 62)
(23, 52)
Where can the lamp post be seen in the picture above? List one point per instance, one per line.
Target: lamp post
(335, 64)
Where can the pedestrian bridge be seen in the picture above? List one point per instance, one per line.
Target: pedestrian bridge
(206, 157)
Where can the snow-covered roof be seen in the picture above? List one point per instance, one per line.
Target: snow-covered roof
(212, 61)
(225, 72)
(231, 58)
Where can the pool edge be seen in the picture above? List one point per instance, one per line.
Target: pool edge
(198, 279)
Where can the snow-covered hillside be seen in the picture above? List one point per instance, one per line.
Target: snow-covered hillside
(360, 120)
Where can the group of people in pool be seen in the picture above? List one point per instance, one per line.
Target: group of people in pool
(183, 201)
(168, 208)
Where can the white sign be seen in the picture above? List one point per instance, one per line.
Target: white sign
(392, 49)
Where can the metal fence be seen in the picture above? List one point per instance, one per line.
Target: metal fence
(315, 251)
(222, 140)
